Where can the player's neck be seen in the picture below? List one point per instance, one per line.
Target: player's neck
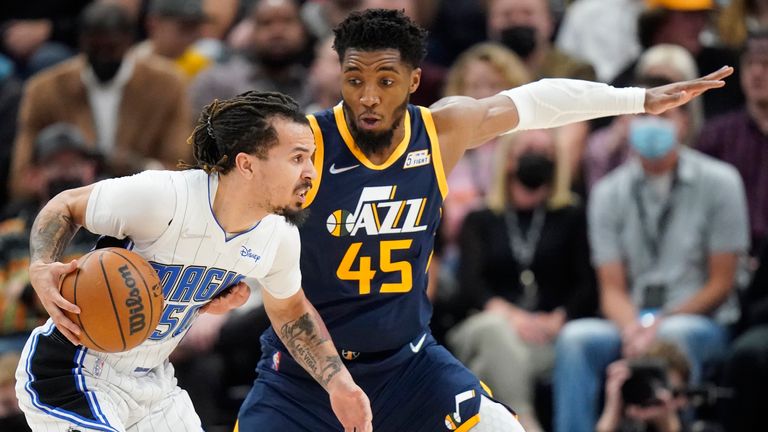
(234, 206)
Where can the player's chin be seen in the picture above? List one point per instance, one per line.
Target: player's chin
(295, 214)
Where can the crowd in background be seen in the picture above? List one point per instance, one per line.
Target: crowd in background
(567, 260)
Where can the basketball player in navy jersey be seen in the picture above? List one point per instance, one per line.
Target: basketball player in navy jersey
(375, 206)
(211, 233)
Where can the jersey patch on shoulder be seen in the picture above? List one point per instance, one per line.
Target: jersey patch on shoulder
(417, 158)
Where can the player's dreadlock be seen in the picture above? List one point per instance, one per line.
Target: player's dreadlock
(377, 29)
(241, 124)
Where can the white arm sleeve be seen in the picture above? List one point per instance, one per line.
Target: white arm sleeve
(284, 278)
(551, 103)
(140, 206)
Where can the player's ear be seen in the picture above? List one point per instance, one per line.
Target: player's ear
(415, 80)
(244, 164)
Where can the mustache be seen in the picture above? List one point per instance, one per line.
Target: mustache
(307, 184)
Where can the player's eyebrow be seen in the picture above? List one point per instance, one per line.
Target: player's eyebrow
(302, 149)
(387, 68)
(383, 68)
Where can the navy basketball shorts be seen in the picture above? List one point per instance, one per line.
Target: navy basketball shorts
(420, 387)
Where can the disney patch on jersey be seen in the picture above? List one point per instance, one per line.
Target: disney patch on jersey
(417, 158)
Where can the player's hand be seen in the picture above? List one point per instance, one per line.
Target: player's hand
(44, 278)
(351, 406)
(230, 298)
(660, 99)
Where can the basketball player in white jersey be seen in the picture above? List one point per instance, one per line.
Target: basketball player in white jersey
(211, 233)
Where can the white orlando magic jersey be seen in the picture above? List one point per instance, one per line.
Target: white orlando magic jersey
(168, 217)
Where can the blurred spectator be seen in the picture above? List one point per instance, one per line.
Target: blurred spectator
(134, 111)
(481, 71)
(654, 385)
(173, 26)
(740, 17)
(683, 22)
(457, 25)
(525, 266)
(432, 75)
(526, 27)
(61, 160)
(39, 33)
(272, 60)
(667, 230)
(11, 417)
(608, 147)
(746, 368)
(324, 80)
(603, 33)
(674, 63)
(741, 137)
(409, 7)
(321, 17)
(10, 97)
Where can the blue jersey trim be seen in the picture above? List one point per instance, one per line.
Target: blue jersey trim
(227, 238)
(56, 412)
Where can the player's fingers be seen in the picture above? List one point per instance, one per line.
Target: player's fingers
(63, 303)
(719, 74)
(69, 335)
(69, 267)
(69, 329)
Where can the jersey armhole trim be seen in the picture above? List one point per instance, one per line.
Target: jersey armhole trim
(317, 161)
(437, 158)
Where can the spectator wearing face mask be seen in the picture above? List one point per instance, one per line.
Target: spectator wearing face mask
(524, 267)
(667, 230)
(61, 160)
(133, 111)
(526, 27)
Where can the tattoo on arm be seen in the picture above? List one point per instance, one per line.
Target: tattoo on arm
(310, 348)
(51, 233)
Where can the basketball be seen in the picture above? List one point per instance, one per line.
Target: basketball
(119, 296)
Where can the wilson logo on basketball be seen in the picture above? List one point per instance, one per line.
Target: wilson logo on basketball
(137, 317)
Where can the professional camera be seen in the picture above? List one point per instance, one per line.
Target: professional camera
(646, 377)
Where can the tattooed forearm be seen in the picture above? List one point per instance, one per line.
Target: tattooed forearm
(51, 233)
(311, 349)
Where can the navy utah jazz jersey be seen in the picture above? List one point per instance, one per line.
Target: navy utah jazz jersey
(367, 244)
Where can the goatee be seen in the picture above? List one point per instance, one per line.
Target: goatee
(294, 217)
(374, 142)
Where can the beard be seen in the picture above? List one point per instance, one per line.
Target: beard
(277, 60)
(294, 217)
(298, 215)
(373, 142)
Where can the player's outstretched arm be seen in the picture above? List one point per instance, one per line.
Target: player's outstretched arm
(463, 122)
(52, 231)
(303, 332)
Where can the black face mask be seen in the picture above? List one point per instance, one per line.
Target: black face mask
(535, 170)
(105, 70)
(56, 186)
(520, 39)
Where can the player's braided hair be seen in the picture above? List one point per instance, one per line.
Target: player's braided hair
(240, 124)
(377, 29)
